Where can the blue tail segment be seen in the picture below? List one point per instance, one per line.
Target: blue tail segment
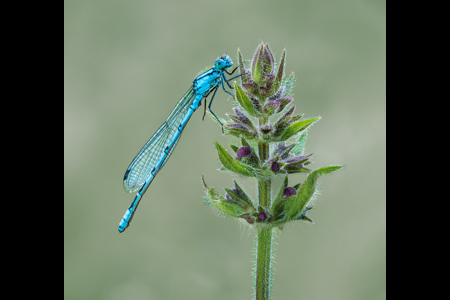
(155, 153)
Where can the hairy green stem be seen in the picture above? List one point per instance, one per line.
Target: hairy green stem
(264, 247)
(264, 238)
(264, 184)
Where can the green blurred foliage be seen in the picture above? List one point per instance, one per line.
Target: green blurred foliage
(126, 65)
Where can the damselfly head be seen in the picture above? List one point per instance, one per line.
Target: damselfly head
(223, 62)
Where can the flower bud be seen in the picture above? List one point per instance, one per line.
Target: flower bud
(266, 129)
(289, 191)
(239, 198)
(262, 216)
(244, 152)
(262, 63)
(275, 167)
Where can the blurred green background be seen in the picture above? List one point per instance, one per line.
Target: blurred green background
(127, 63)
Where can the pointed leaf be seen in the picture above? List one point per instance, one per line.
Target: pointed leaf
(278, 204)
(285, 152)
(244, 101)
(285, 117)
(242, 194)
(296, 207)
(235, 148)
(231, 164)
(288, 84)
(244, 78)
(297, 127)
(218, 201)
(228, 207)
(243, 118)
(241, 200)
(244, 142)
(299, 149)
(280, 73)
(293, 168)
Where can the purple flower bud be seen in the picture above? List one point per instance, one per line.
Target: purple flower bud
(266, 129)
(263, 91)
(289, 191)
(244, 152)
(269, 61)
(262, 216)
(275, 167)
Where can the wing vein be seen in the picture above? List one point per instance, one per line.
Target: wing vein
(152, 152)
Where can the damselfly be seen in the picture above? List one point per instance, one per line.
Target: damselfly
(152, 157)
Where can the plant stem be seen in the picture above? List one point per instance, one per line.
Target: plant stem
(264, 238)
(264, 247)
(264, 184)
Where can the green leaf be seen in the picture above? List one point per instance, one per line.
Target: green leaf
(244, 142)
(244, 101)
(244, 78)
(235, 148)
(231, 164)
(296, 127)
(286, 151)
(243, 195)
(299, 149)
(238, 132)
(288, 85)
(244, 203)
(294, 168)
(279, 202)
(280, 73)
(227, 207)
(295, 207)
